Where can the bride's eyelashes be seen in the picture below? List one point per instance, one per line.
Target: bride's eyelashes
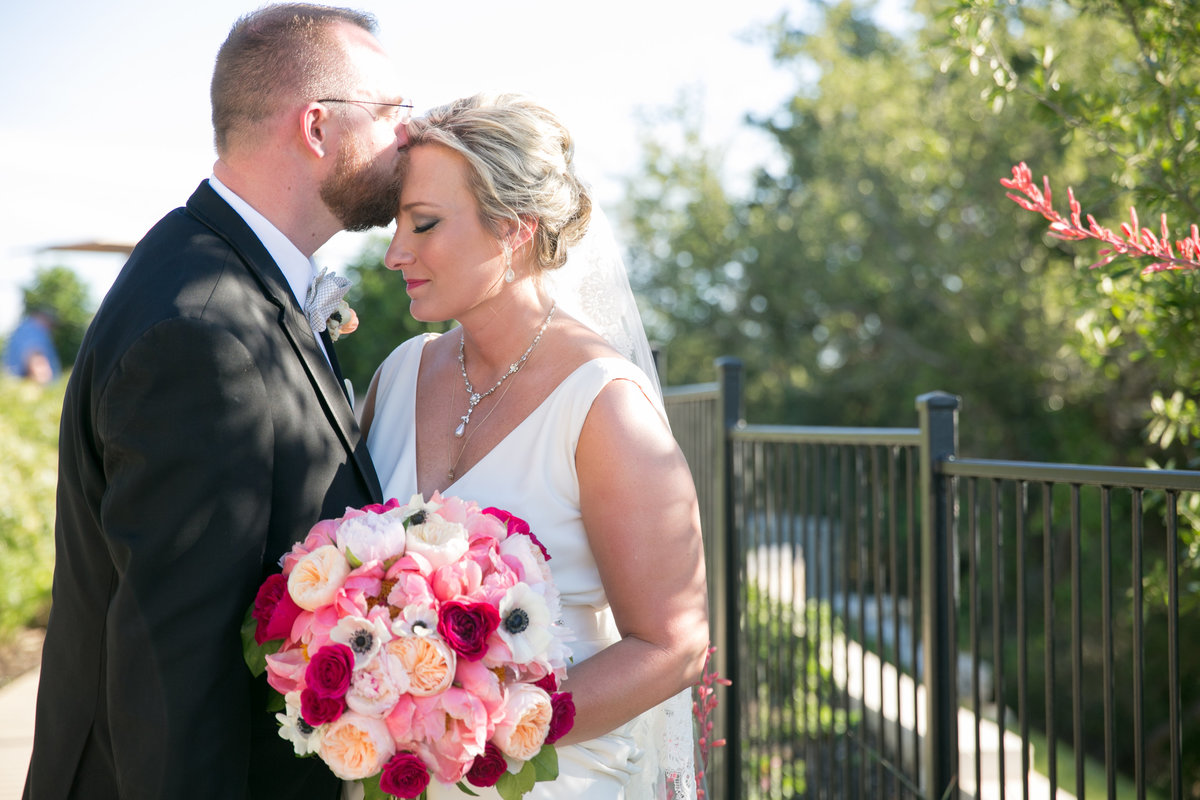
(425, 227)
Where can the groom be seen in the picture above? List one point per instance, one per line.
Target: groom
(205, 429)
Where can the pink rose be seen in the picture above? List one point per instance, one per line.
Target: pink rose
(274, 610)
(403, 721)
(564, 716)
(478, 679)
(462, 578)
(328, 674)
(324, 532)
(467, 626)
(285, 670)
(526, 722)
(317, 710)
(453, 731)
(404, 775)
(487, 768)
(374, 690)
(356, 747)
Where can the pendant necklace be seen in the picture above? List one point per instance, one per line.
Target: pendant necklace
(451, 470)
(474, 397)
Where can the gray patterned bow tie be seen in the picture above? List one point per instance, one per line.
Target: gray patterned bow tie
(324, 296)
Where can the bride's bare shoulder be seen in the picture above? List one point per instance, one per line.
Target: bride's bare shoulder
(579, 344)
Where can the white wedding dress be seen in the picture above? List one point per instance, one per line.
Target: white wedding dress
(531, 474)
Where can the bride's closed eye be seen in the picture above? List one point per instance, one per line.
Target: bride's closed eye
(425, 227)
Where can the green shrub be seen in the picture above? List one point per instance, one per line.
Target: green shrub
(29, 417)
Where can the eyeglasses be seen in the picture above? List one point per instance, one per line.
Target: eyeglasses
(400, 113)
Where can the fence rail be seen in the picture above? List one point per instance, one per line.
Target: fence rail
(899, 621)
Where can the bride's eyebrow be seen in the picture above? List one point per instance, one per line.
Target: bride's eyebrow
(418, 204)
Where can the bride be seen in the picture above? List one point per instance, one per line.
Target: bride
(526, 406)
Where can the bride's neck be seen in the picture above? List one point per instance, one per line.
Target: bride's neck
(497, 335)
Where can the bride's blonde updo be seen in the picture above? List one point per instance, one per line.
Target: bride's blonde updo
(520, 165)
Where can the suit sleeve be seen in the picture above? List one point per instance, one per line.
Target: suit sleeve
(187, 438)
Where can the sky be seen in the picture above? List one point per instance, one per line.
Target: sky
(107, 115)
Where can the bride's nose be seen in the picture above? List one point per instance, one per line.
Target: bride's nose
(398, 255)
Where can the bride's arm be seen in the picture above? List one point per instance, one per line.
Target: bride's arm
(640, 510)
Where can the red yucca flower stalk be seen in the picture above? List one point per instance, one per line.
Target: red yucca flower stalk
(1137, 242)
(703, 707)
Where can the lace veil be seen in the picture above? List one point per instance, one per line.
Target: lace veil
(593, 287)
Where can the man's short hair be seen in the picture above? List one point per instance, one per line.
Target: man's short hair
(276, 56)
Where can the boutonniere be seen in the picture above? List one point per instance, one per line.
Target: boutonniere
(342, 321)
(326, 308)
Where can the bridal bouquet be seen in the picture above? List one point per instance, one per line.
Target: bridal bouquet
(417, 642)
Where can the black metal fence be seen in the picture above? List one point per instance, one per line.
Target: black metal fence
(899, 621)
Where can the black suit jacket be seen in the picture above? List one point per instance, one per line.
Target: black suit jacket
(203, 433)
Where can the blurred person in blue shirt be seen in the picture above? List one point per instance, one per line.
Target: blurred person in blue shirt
(30, 352)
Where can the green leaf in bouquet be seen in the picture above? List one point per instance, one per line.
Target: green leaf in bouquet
(545, 763)
(255, 654)
(514, 786)
(275, 702)
(462, 785)
(352, 559)
(371, 790)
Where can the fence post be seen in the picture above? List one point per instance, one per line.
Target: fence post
(726, 618)
(938, 413)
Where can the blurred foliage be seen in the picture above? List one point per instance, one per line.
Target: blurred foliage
(60, 289)
(29, 416)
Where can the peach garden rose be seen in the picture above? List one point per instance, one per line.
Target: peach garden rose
(527, 721)
(317, 577)
(356, 746)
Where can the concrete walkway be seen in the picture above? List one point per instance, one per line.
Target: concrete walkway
(17, 701)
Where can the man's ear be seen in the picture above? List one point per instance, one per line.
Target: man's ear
(315, 128)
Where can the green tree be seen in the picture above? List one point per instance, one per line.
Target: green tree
(873, 265)
(58, 288)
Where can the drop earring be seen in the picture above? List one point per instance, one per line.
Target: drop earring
(509, 275)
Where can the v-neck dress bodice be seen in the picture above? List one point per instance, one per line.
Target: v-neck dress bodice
(532, 474)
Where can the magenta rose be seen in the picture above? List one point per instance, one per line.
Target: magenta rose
(516, 525)
(487, 767)
(317, 710)
(404, 775)
(329, 672)
(467, 626)
(547, 683)
(564, 716)
(382, 508)
(513, 523)
(274, 610)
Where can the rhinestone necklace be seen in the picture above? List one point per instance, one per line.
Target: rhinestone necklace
(474, 397)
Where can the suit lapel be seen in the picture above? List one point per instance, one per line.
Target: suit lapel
(207, 206)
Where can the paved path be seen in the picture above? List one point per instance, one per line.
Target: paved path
(16, 733)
